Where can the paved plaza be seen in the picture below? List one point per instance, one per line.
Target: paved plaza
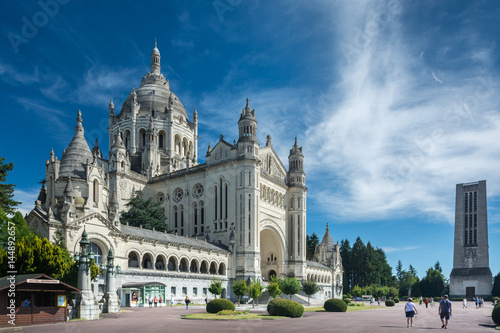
(377, 320)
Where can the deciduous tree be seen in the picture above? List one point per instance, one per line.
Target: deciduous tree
(240, 289)
(309, 287)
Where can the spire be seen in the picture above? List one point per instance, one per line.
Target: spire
(155, 61)
(296, 150)
(96, 150)
(78, 153)
(119, 141)
(327, 239)
(111, 107)
(69, 191)
(79, 126)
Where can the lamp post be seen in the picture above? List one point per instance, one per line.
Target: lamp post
(83, 260)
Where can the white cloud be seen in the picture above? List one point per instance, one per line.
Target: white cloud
(27, 198)
(399, 249)
(99, 84)
(395, 144)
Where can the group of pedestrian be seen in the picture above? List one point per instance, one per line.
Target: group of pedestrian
(479, 302)
(444, 311)
(155, 300)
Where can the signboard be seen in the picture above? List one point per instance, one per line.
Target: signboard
(61, 301)
(42, 281)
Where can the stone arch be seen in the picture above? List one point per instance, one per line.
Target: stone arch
(194, 266)
(213, 268)
(184, 147)
(142, 138)
(133, 259)
(184, 265)
(271, 242)
(177, 144)
(162, 140)
(222, 269)
(147, 261)
(204, 267)
(172, 264)
(161, 262)
(126, 139)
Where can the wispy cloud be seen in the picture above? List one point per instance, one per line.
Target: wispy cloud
(435, 77)
(399, 249)
(27, 199)
(395, 144)
(99, 84)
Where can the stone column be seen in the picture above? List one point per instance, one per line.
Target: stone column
(111, 302)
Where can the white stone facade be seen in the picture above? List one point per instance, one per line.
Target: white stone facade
(228, 216)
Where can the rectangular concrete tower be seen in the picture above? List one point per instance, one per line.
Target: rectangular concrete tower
(471, 274)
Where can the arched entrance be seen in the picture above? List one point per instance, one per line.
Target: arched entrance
(271, 253)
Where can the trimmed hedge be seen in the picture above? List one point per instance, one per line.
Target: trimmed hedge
(335, 305)
(219, 304)
(347, 300)
(389, 303)
(495, 315)
(285, 307)
(396, 300)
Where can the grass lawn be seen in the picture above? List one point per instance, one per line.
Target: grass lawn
(349, 308)
(214, 316)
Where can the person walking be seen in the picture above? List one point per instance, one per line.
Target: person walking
(161, 300)
(410, 312)
(426, 301)
(444, 311)
(171, 301)
(432, 302)
(477, 302)
(187, 301)
(420, 301)
(464, 303)
(150, 301)
(156, 302)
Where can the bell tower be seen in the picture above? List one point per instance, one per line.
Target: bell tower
(471, 275)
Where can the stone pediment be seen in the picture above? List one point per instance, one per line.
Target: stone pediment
(271, 164)
(96, 216)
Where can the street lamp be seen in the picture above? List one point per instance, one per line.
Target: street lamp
(83, 259)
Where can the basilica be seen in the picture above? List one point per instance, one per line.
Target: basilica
(239, 215)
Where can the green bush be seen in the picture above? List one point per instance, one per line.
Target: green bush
(396, 300)
(335, 305)
(437, 299)
(285, 307)
(347, 300)
(389, 303)
(456, 299)
(495, 315)
(219, 304)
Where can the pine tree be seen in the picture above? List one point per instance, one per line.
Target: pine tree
(312, 242)
(496, 285)
(144, 212)
(6, 190)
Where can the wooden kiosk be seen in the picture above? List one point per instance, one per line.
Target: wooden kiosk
(38, 299)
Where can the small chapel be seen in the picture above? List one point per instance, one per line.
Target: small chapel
(239, 215)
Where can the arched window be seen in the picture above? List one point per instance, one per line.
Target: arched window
(176, 223)
(213, 269)
(182, 219)
(225, 199)
(215, 207)
(160, 263)
(143, 137)
(222, 269)
(94, 248)
(96, 191)
(127, 139)
(194, 266)
(204, 267)
(147, 262)
(160, 141)
(172, 264)
(133, 261)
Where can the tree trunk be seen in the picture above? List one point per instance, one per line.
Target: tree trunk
(239, 300)
(308, 301)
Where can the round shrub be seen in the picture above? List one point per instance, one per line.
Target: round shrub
(285, 307)
(389, 303)
(347, 300)
(495, 315)
(396, 300)
(219, 304)
(335, 305)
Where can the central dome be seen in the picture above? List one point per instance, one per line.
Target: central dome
(154, 93)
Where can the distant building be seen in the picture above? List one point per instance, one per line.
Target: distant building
(471, 274)
(239, 215)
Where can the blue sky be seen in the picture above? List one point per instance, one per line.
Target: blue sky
(394, 102)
